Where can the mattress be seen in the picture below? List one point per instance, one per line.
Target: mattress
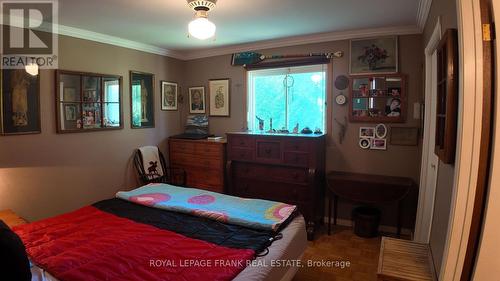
(278, 264)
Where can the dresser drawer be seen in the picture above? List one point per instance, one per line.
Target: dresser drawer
(241, 141)
(268, 150)
(296, 145)
(280, 192)
(271, 173)
(242, 154)
(213, 150)
(181, 146)
(190, 160)
(296, 159)
(205, 178)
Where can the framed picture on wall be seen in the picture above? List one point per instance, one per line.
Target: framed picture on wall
(20, 100)
(378, 144)
(376, 55)
(142, 100)
(70, 112)
(366, 132)
(169, 95)
(196, 100)
(219, 97)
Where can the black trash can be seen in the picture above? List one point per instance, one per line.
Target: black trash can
(366, 221)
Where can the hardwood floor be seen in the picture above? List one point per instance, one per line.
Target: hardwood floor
(342, 246)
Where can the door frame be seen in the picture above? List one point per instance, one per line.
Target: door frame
(470, 134)
(426, 196)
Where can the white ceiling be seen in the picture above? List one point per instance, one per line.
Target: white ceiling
(163, 23)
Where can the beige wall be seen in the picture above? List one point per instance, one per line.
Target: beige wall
(47, 174)
(447, 12)
(397, 160)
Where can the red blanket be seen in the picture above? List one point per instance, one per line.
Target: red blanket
(89, 244)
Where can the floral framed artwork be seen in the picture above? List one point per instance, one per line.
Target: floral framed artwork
(20, 102)
(197, 100)
(169, 95)
(376, 55)
(142, 100)
(219, 97)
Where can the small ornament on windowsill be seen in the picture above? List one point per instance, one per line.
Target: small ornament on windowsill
(318, 131)
(283, 131)
(296, 129)
(306, 131)
(261, 123)
(271, 130)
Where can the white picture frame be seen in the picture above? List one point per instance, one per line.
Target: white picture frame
(380, 131)
(378, 144)
(366, 132)
(365, 143)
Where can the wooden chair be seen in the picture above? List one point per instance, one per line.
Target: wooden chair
(175, 176)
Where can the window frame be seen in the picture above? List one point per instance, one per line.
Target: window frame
(293, 69)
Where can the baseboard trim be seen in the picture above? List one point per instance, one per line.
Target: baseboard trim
(382, 228)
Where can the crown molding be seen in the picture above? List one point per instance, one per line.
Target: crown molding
(302, 40)
(422, 14)
(106, 39)
(424, 7)
(116, 41)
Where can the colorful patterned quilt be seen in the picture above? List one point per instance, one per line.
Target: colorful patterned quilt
(253, 213)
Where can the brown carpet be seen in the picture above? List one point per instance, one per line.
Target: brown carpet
(340, 247)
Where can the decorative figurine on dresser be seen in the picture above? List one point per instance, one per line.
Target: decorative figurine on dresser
(280, 167)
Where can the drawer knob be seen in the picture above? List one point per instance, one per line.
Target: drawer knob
(242, 142)
(242, 155)
(267, 151)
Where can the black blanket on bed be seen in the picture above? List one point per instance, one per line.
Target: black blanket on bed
(232, 236)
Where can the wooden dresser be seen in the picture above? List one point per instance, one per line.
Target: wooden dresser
(202, 160)
(286, 168)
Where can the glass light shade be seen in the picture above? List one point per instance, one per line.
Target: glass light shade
(32, 69)
(201, 28)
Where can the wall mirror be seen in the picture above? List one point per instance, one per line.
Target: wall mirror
(377, 98)
(88, 101)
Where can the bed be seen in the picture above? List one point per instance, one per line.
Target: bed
(133, 238)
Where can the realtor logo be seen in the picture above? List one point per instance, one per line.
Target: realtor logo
(29, 34)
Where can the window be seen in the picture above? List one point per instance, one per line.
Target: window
(288, 96)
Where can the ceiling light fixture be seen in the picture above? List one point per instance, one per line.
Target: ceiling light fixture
(32, 69)
(201, 27)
